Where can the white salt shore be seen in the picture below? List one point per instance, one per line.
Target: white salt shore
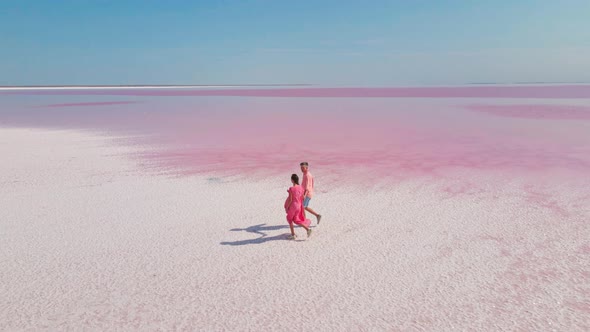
(89, 241)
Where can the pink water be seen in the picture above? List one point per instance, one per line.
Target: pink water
(375, 132)
(533, 142)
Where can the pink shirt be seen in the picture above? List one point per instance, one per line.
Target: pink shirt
(307, 183)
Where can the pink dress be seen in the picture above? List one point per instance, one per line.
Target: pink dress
(295, 212)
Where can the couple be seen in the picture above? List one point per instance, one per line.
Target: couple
(298, 201)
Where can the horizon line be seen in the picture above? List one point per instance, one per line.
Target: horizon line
(315, 86)
(141, 86)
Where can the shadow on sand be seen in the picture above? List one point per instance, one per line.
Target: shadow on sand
(260, 230)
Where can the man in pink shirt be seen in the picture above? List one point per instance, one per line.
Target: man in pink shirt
(307, 184)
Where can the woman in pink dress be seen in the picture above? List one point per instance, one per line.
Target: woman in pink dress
(294, 207)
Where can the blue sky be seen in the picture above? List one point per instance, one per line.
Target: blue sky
(318, 42)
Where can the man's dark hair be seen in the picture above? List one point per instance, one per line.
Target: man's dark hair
(304, 164)
(295, 178)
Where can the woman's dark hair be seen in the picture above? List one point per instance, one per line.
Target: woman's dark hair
(295, 178)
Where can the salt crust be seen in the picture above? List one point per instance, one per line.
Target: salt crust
(90, 240)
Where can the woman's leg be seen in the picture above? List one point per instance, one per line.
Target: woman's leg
(292, 229)
(307, 229)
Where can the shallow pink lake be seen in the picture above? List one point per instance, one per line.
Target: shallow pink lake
(374, 133)
(501, 238)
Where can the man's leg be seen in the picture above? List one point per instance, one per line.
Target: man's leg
(307, 208)
(310, 210)
(317, 215)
